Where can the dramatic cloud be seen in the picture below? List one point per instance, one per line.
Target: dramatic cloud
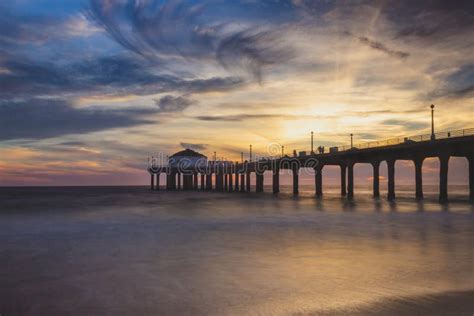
(178, 28)
(251, 52)
(72, 143)
(381, 47)
(112, 75)
(83, 80)
(170, 103)
(194, 146)
(40, 118)
(457, 85)
(245, 117)
(461, 82)
(431, 20)
(238, 118)
(24, 29)
(407, 124)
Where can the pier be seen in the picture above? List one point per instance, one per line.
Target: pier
(236, 176)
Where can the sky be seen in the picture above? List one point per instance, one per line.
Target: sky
(90, 89)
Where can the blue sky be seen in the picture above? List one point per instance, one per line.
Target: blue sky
(89, 89)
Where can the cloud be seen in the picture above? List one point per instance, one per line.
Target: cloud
(163, 30)
(461, 93)
(244, 117)
(213, 84)
(462, 78)
(252, 51)
(170, 103)
(110, 75)
(72, 143)
(381, 47)
(194, 146)
(238, 118)
(457, 85)
(439, 18)
(41, 118)
(19, 29)
(409, 125)
(378, 46)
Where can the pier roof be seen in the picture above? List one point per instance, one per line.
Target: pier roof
(188, 153)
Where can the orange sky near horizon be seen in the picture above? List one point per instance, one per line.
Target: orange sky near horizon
(97, 91)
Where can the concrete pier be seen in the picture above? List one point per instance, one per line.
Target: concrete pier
(443, 178)
(376, 179)
(343, 168)
(350, 180)
(418, 177)
(187, 182)
(276, 179)
(247, 181)
(171, 181)
(195, 181)
(209, 181)
(230, 186)
(237, 176)
(391, 179)
(259, 182)
(220, 178)
(318, 179)
(296, 171)
(471, 177)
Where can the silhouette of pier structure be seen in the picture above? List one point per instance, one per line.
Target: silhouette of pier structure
(199, 173)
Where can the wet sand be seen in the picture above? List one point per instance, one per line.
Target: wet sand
(451, 303)
(130, 251)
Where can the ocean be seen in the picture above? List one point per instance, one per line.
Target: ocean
(133, 251)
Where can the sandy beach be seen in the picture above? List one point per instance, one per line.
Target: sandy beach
(129, 251)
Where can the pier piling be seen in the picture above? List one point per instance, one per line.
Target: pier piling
(236, 176)
(343, 180)
(471, 177)
(259, 182)
(350, 180)
(296, 171)
(318, 175)
(419, 177)
(247, 180)
(443, 178)
(276, 179)
(376, 179)
(391, 179)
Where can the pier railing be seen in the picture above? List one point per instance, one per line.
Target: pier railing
(365, 145)
(406, 140)
(391, 142)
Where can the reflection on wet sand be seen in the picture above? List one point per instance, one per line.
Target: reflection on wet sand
(132, 251)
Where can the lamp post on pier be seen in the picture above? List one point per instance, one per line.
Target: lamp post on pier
(352, 143)
(282, 151)
(250, 155)
(312, 143)
(242, 157)
(433, 137)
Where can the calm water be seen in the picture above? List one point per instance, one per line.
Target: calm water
(130, 251)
